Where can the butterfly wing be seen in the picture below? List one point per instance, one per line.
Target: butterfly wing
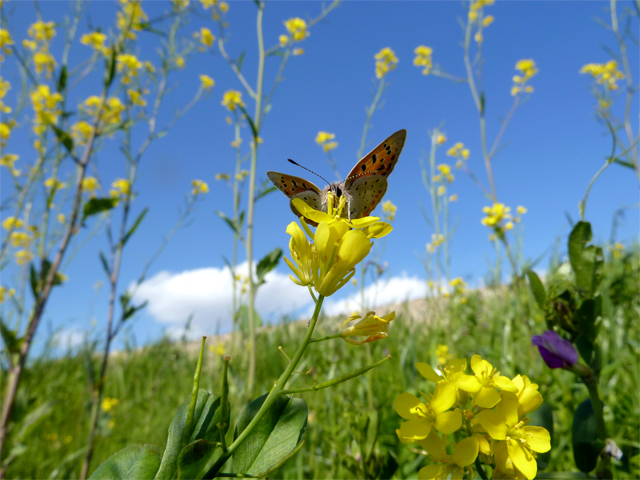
(367, 181)
(296, 187)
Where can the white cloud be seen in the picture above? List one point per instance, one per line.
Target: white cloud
(206, 293)
(383, 292)
(69, 338)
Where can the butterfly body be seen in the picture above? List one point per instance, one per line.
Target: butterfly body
(363, 188)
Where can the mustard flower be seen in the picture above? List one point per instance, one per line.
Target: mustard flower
(54, 184)
(90, 184)
(199, 187)
(45, 105)
(527, 70)
(297, 51)
(42, 31)
(495, 214)
(517, 443)
(129, 65)
(442, 354)
(224, 7)
(529, 398)
(302, 254)
(5, 132)
(488, 20)
(440, 139)
(423, 417)
(6, 294)
(465, 453)
(131, 18)
(95, 40)
(232, 99)
(371, 326)
(109, 403)
(5, 86)
(324, 137)
(12, 223)
(605, 73)
(207, 4)
(207, 82)
(81, 131)
(120, 187)
(423, 59)
(20, 239)
(297, 28)
(390, 209)
(5, 42)
(8, 160)
(23, 256)
(484, 383)
(218, 349)
(61, 218)
(205, 36)
(283, 40)
(386, 61)
(453, 197)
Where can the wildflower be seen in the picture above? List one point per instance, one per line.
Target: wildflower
(302, 255)
(488, 20)
(616, 249)
(495, 214)
(386, 61)
(521, 210)
(529, 398)
(61, 218)
(5, 133)
(465, 453)
(283, 40)
(199, 187)
(5, 86)
(478, 37)
(390, 209)
(8, 160)
(20, 239)
(371, 326)
(445, 171)
(95, 40)
(517, 443)
(323, 137)
(42, 31)
(423, 58)
(297, 28)
(54, 184)
(108, 403)
(441, 190)
(135, 96)
(110, 111)
(207, 82)
(440, 139)
(129, 64)
(555, 350)
(120, 187)
(90, 184)
(131, 18)
(44, 62)
(206, 4)
(298, 51)
(224, 7)
(232, 99)
(423, 417)
(81, 131)
(5, 42)
(527, 70)
(453, 197)
(6, 294)
(23, 256)
(442, 353)
(45, 105)
(12, 223)
(223, 176)
(484, 383)
(218, 349)
(508, 226)
(205, 36)
(605, 73)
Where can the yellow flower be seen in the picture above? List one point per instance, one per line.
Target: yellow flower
(283, 40)
(224, 7)
(6, 294)
(327, 147)
(129, 64)
(54, 184)
(9, 161)
(199, 187)
(218, 349)
(42, 31)
(206, 37)
(478, 37)
(232, 99)
(111, 112)
(20, 239)
(120, 186)
(206, 4)
(95, 40)
(495, 214)
(527, 70)
(108, 404)
(5, 42)
(390, 209)
(298, 51)
(605, 73)
(453, 197)
(61, 218)
(488, 20)
(45, 105)
(90, 184)
(371, 326)
(207, 82)
(484, 383)
(132, 17)
(136, 97)
(11, 223)
(23, 256)
(386, 61)
(81, 131)
(440, 139)
(297, 28)
(323, 137)
(465, 453)
(442, 352)
(5, 132)
(441, 190)
(44, 62)
(423, 58)
(508, 225)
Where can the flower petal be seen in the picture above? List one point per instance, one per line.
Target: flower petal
(435, 445)
(538, 439)
(493, 424)
(416, 429)
(468, 383)
(448, 422)
(522, 459)
(406, 405)
(507, 409)
(480, 366)
(504, 383)
(444, 397)
(428, 372)
(487, 397)
(466, 451)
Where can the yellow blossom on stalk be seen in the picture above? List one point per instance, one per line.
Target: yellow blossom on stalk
(207, 82)
(23, 256)
(81, 131)
(5, 86)
(527, 70)
(440, 139)
(120, 187)
(457, 465)
(111, 112)
(61, 218)
(54, 184)
(218, 349)
(458, 151)
(521, 210)
(423, 59)
(205, 36)
(206, 4)
(517, 443)
(442, 353)
(323, 137)
(20, 239)
(441, 190)
(232, 99)
(476, 6)
(199, 187)
(371, 326)
(488, 20)
(5, 133)
(445, 171)
(453, 197)
(108, 404)
(136, 97)
(45, 105)
(8, 160)
(236, 143)
(95, 40)
(224, 7)
(129, 65)
(423, 417)
(29, 44)
(478, 37)
(390, 209)
(5, 42)
(605, 73)
(44, 62)
(297, 28)
(131, 18)
(508, 226)
(495, 214)
(483, 385)
(386, 61)
(42, 31)
(6, 294)
(90, 184)
(298, 51)
(12, 223)
(283, 40)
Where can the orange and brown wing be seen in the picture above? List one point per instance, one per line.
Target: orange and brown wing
(296, 187)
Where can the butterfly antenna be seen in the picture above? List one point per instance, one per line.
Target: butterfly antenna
(298, 165)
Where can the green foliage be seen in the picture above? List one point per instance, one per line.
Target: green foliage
(131, 463)
(98, 205)
(586, 260)
(584, 434)
(268, 263)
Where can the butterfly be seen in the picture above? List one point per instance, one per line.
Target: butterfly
(364, 187)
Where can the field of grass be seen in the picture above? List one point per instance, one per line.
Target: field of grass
(151, 383)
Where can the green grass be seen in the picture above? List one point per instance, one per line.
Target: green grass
(151, 383)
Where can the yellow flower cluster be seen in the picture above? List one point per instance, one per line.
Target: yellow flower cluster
(54, 184)
(199, 187)
(499, 217)
(131, 18)
(120, 188)
(206, 38)
(129, 66)
(45, 106)
(527, 70)
(324, 140)
(445, 173)
(207, 82)
(617, 249)
(436, 241)
(386, 61)
(5, 86)
(442, 353)
(327, 261)
(476, 6)
(96, 41)
(371, 327)
(390, 209)
(41, 33)
(108, 404)
(136, 98)
(297, 29)
(19, 239)
(110, 111)
(605, 73)
(90, 184)
(8, 160)
(232, 99)
(5, 42)
(488, 412)
(6, 294)
(458, 151)
(423, 59)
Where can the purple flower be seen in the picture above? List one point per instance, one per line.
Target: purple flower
(556, 351)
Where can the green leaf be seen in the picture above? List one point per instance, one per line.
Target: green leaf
(205, 419)
(64, 138)
(33, 281)
(243, 318)
(240, 60)
(31, 421)
(265, 190)
(194, 457)
(133, 462)
(228, 221)
(105, 264)
(268, 263)
(586, 261)
(135, 226)
(98, 205)
(62, 79)
(110, 67)
(254, 130)
(543, 417)
(584, 432)
(537, 288)
(274, 437)
(10, 338)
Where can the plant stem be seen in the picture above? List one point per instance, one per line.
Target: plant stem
(194, 397)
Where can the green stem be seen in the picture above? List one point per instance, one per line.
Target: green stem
(591, 381)
(194, 397)
(370, 111)
(273, 394)
(324, 339)
(480, 470)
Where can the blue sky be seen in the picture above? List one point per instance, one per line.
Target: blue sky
(552, 147)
